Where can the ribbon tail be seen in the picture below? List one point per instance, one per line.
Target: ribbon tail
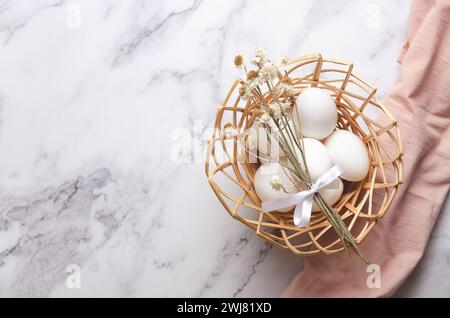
(303, 201)
(292, 200)
(302, 213)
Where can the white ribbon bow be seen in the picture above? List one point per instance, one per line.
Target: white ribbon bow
(303, 200)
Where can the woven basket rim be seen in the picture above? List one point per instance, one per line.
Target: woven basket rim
(357, 206)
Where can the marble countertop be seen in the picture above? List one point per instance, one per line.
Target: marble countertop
(91, 93)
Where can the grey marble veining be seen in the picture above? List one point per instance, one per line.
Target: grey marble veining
(91, 93)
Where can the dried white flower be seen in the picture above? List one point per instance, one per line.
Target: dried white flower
(256, 61)
(268, 71)
(276, 184)
(276, 109)
(263, 119)
(283, 61)
(285, 106)
(246, 89)
(239, 61)
(260, 53)
(260, 58)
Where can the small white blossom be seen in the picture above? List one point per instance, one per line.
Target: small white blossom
(260, 53)
(276, 109)
(285, 106)
(263, 119)
(283, 61)
(246, 89)
(268, 71)
(276, 184)
(256, 61)
(260, 57)
(240, 61)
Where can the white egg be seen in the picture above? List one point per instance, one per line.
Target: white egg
(262, 183)
(317, 113)
(349, 152)
(331, 193)
(318, 160)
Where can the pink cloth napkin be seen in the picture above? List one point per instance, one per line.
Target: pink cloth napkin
(420, 100)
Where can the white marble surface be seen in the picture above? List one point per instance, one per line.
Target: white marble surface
(90, 93)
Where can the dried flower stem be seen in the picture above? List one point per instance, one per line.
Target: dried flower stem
(281, 126)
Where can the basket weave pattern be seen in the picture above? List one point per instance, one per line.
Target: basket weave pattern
(362, 204)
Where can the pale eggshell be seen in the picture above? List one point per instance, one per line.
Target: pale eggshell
(350, 153)
(317, 113)
(331, 193)
(262, 183)
(317, 158)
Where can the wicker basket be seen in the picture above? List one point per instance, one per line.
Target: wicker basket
(362, 204)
